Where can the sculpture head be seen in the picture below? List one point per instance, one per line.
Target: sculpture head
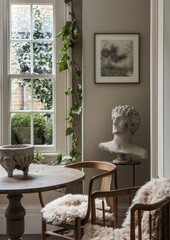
(125, 118)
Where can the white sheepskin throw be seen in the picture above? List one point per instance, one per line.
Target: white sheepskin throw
(65, 209)
(153, 191)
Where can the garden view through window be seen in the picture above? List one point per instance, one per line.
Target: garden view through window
(32, 75)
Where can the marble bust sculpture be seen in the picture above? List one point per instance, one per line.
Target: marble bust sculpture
(126, 121)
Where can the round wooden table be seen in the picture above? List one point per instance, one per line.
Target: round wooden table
(40, 178)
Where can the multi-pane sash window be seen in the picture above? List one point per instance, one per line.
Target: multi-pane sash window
(33, 105)
(31, 74)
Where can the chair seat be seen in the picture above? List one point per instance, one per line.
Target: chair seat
(96, 232)
(65, 209)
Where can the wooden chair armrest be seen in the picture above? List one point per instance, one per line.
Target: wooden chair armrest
(163, 218)
(112, 195)
(116, 193)
(150, 207)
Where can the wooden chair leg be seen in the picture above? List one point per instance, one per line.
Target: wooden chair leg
(43, 230)
(77, 230)
(82, 232)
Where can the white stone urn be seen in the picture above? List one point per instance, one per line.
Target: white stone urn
(16, 157)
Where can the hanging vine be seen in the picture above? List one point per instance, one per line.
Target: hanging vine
(69, 35)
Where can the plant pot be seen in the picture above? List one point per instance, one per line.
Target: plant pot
(16, 157)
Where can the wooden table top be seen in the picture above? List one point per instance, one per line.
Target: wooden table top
(40, 177)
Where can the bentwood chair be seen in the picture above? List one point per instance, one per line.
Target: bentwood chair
(147, 217)
(73, 211)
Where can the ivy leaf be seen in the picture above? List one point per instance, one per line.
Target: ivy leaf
(66, 30)
(62, 65)
(59, 34)
(78, 71)
(76, 32)
(69, 119)
(69, 131)
(57, 160)
(74, 153)
(79, 88)
(68, 1)
(67, 43)
(63, 50)
(61, 159)
(69, 91)
(75, 143)
(76, 110)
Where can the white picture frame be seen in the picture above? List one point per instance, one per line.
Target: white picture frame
(116, 57)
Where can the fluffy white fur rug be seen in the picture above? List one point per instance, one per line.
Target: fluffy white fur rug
(65, 209)
(151, 192)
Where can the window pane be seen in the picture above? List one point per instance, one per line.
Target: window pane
(43, 94)
(20, 94)
(20, 21)
(42, 129)
(20, 58)
(42, 58)
(49, 129)
(20, 128)
(42, 21)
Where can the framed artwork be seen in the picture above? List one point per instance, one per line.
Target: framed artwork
(116, 58)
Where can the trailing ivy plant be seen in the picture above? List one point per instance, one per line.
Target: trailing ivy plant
(69, 35)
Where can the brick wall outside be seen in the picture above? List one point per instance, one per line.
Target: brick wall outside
(21, 97)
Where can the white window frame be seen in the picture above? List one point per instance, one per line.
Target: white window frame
(157, 89)
(61, 144)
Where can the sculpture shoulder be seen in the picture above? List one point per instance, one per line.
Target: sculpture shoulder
(108, 146)
(129, 149)
(139, 152)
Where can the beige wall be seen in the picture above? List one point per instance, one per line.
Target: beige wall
(115, 16)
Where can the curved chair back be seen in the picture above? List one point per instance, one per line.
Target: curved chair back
(106, 174)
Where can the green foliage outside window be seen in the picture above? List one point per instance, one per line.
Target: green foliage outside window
(20, 123)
